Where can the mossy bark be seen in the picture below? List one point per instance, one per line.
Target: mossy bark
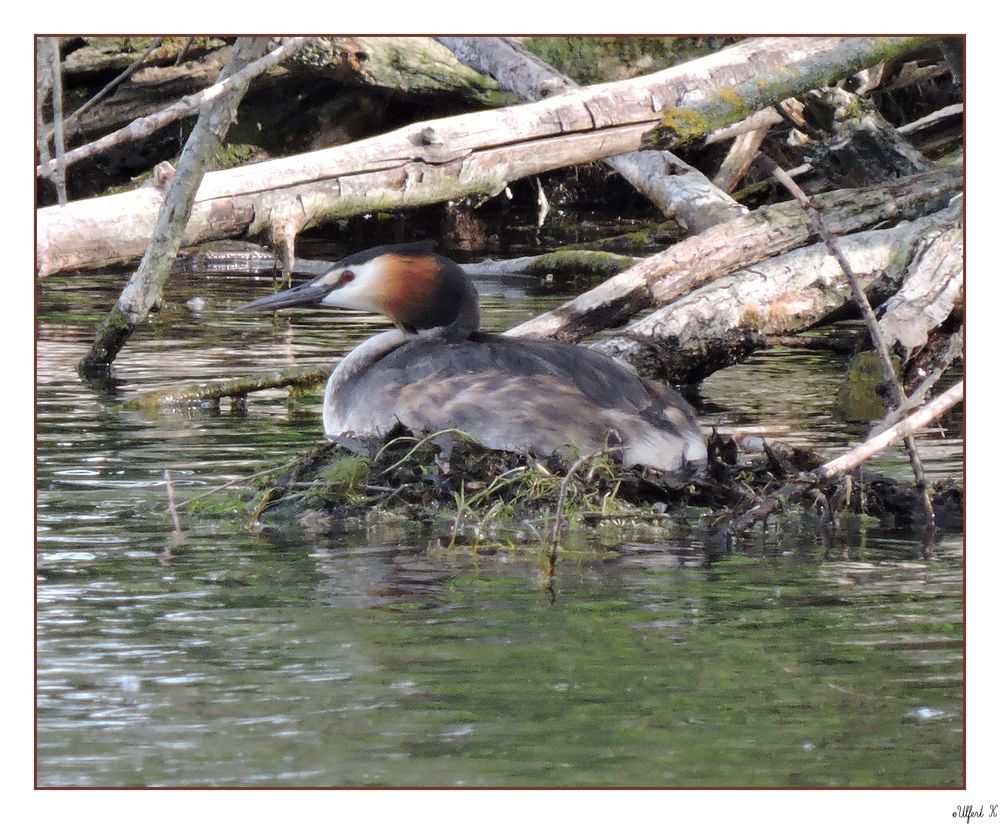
(725, 97)
(301, 377)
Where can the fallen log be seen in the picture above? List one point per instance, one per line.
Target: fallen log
(677, 189)
(253, 259)
(721, 97)
(414, 66)
(565, 262)
(722, 322)
(743, 242)
(467, 155)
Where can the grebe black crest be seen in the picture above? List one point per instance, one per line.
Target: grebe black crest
(436, 371)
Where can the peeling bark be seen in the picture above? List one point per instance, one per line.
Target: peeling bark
(930, 293)
(719, 324)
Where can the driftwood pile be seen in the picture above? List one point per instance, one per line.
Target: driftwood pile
(877, 215)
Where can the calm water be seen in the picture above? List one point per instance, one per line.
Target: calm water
(362, 656)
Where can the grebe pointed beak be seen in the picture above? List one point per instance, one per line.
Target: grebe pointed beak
(306, 294)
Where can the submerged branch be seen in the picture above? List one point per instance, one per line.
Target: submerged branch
(298, 376)
(144, 289)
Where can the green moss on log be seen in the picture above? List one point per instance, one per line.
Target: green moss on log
(859, 397)
(729, 105)
(299, 377)
(112, 335)
(570, 262)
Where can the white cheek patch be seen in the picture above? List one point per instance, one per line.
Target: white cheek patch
(359, 294)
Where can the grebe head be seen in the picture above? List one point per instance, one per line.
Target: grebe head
(418, 290)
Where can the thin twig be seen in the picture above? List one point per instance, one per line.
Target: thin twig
(553, 554)
(417, 446)
(58, 175)
(240, 480)
(896, 389)
(125, 75)
(183, 52)
(564, 486)
(916, 397)
(171, 505)
(144, 126)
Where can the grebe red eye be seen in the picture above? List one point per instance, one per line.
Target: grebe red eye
(345, 277)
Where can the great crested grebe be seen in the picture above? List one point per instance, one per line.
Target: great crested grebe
(437, 371)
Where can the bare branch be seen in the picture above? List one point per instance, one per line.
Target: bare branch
(190, 104)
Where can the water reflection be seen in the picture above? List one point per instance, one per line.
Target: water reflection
(362, 654)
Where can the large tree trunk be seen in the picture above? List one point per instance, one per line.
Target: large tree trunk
(455, 157)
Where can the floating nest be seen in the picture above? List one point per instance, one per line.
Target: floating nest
(473, 496)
